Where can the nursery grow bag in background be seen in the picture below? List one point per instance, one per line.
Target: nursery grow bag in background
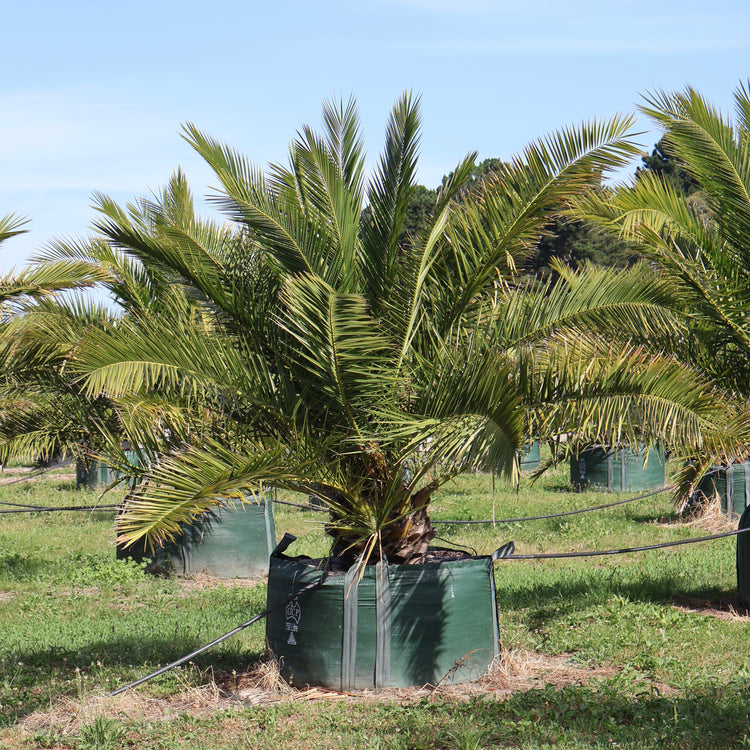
(98, 474)
(732, 485)
(397, 626)
(743, 559)
(229, 543)
(232, 543)
(618, 470)
(531, 458)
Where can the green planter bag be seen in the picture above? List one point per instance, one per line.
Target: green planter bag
(743, 559)
(232, 543)
(618, 470)
(531, 458)
(731, 484)
(236, 543)
(397, 626)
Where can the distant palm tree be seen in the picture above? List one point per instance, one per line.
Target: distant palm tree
(304, 347)
(699, 244)
(43, 412)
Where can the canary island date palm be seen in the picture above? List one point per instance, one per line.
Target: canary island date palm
(700, 245)
(43, 412)
(303, 346)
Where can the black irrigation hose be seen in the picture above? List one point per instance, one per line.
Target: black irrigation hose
(300, 505)
(507, 552)
(564, 513)
(218, 640)
(513, 520)
(41, 509)
(22, 505)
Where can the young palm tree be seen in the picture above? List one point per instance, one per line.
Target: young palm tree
(42, 410)
(700, 245)
(304, 346)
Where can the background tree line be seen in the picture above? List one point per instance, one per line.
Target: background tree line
(571, 241)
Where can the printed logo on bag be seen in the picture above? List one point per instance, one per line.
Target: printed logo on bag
(293, 615)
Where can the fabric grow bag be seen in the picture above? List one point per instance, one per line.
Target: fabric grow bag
(732, 485)
(98, 474)
(399, 626)
(531, 458)
(618, 470)
(234, 543)
(230, 544)
(743, 559)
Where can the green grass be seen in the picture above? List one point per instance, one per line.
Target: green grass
(76, 623)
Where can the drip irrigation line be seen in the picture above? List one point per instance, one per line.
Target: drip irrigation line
(300, 505)
(40, 509)
(665, 488)
(507, 552)
(218, 640)
(23, 505)
(563, 513)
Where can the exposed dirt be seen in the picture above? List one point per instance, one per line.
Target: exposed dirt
(723, 609)
(18, 474)
(200, 581)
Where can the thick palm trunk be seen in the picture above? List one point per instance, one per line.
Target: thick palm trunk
(405, 540)
(408, 540)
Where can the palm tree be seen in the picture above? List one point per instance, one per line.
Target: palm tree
(304, 346)
(700, 245)
(42, 410)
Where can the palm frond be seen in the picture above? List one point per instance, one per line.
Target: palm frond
(338, 348)
(388, 196)
(182, 487)
(10, 226)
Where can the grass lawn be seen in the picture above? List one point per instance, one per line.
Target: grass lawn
(641, 650)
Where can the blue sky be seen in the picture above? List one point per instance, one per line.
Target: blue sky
(93, 93)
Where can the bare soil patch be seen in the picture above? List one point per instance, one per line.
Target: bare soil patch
(202, 581)
(723, 609)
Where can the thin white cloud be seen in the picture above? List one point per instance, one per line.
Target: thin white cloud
(81, 137)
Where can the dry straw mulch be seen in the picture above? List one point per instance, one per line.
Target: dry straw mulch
(515, 671)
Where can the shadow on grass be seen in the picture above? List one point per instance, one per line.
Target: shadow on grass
(566, 594)
(655, 517)
(19, 567)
